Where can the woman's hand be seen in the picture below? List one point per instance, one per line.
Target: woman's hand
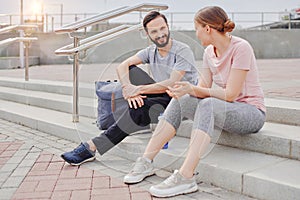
(180, 89)
(137, 101)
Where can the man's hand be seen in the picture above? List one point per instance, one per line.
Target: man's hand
(137, 101)
(130, 90)
(180, 89)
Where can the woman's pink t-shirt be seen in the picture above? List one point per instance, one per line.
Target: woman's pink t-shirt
(239, 55)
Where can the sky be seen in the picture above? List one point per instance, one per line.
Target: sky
(98, 6)
(95, 6)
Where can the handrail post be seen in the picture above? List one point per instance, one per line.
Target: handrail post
(290, 16)
(21, 50)
(75, 82)
(26, 46)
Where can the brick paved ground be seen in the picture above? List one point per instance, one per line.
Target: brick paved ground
(28, 172)
(30, 168)
(51, 178)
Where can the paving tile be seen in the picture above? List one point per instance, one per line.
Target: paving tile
(40, 166)
(42, 177)
(61, 195)
(108, 191)
(55, 166)
(31, 195)
(22, 152)
(27, 163)
(117, 183)
(12, 182)
(15, 160)
(141, 195)
(6, 193)
(46, 185)
(9, 167)
(79, 195)
(4, 175)
(74, 184)
(84, 173)
(101, 182)
(28, 186)
(44, 157)
(111, 196)
(68, 171)
(21, 171)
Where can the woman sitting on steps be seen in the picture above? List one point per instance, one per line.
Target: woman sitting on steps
(236, 105)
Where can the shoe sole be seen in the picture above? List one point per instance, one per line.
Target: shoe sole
(76, 164)
(191, 190)
(133, 182)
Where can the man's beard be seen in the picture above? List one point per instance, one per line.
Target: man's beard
(155, 41)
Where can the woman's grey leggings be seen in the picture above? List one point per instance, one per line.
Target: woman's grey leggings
(210, 113)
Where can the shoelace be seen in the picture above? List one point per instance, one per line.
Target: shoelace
(78, 149)
(172, 179)
(137, 167)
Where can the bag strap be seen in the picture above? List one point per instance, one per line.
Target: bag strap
(113, 105)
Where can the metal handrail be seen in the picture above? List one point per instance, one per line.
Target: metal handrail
(23, 41)
(109, 15)
(89, 19)
(75, 48)
(91, 38)
(17, 39)
(97, 40)
(26, 41)
(17, 27)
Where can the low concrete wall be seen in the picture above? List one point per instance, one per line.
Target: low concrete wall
(266, 44)
(14, 62)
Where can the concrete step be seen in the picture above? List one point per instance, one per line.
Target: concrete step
(52, 101)
(283, 111)
(58, 87)
(278, 111)
(254, 174)
(274, 139)
(231, 168)
(49, 121)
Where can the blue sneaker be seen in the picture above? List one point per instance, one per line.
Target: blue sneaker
(79, 155)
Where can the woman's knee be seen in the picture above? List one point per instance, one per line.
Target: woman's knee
(213, 105)
(206, 104)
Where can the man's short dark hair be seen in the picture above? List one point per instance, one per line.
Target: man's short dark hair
(151, 16)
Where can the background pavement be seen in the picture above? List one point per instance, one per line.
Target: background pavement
(280, 78)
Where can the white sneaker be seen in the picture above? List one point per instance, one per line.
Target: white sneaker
(174, 185)
(142, 169)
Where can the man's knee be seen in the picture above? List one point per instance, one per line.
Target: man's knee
(132, 66)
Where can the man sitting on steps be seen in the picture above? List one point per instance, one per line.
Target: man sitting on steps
(169, 61)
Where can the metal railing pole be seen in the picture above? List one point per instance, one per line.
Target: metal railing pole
(75, 117)
(262, 20)
(26, 61)
(52, 24)
(290, 15)
(21, 50)
(47, 23)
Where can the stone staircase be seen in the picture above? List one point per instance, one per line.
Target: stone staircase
(263, 165)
